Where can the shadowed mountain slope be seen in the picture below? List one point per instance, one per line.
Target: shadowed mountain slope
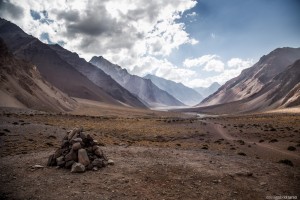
(22, 86)
(143, 88)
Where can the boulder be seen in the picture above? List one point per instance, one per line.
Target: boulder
(83, 157)
(77, 168)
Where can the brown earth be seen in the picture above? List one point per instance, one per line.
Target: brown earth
(158, 155)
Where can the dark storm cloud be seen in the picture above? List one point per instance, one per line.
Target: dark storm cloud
(11, 10)
(71, 16)
(94, 26)
(98, 29)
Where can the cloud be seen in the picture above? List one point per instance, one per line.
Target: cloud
(233, 69)
(214, 65)
(193, 14)
(206, 62)
(198, 61)
(9, 9)
(237, 63)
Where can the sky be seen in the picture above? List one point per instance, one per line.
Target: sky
(188, 41)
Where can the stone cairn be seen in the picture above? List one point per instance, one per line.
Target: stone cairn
(79, 152)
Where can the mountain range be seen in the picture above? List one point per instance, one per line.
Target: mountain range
(141, 87)
(69, 73)
(181, 92)
(49, 77)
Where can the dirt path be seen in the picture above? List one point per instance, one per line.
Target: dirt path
(221, 132)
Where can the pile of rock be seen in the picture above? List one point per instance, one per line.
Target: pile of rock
(79, 152)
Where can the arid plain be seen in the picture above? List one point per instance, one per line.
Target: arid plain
(157, 155)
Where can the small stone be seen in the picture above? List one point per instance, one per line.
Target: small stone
(77, 168)
(37, 167)
(98, 163)
(95, 142)
(98, 152)
(83, 157)
(216, 181)
(82, 136)
(71, 134)
(110, 162)
(72, 155)
(60, 161)
(262, 183)
(76, 146)
(69, 164)
(51, 161)
(95, 168)
(244, 173)
(89, 167)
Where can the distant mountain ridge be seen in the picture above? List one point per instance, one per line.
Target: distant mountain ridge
(142, 88)
(181, 92)
(205, 92)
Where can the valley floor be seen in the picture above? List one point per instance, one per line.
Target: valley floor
(157, 155)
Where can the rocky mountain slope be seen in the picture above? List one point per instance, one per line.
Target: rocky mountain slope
(143, 88)
(206, 91)
(181, 92)
(22, 86)
(59, 72)
(283, 91)
(253, 79)
(98, 77)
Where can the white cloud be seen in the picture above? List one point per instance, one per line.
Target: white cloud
(198, 61)
(162, 68)
(206, 62)
(214, 65)
(237, 63)
(234, 67)
(193, 14)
